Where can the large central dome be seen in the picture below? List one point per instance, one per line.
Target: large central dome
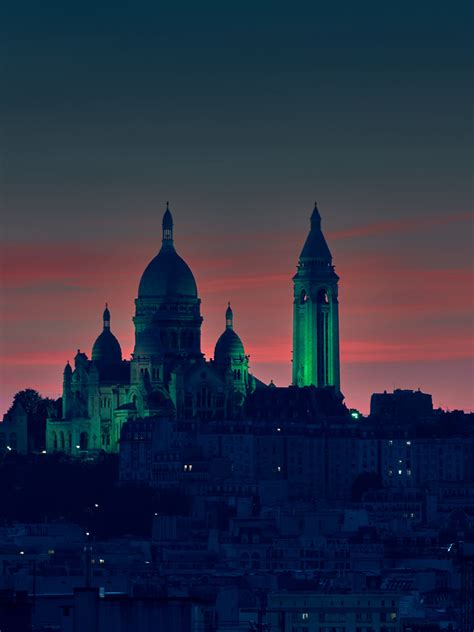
(167, 274)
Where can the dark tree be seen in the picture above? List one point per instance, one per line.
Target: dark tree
(37, 409)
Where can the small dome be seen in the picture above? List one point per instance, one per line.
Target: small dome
(106, 349)
(228, 346)
(167, 275)
(68, 369)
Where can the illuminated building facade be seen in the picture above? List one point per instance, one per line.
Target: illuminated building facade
(315, 313)
(168, 374)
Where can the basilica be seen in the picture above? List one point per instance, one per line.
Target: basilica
(168, 375)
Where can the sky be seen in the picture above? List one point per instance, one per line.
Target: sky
(241, 115)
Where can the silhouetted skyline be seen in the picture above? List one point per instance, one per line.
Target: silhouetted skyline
(241, 119)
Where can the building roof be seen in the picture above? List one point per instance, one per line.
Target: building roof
(167, 274)
(315, 246)
(106, 351)
(229, 345)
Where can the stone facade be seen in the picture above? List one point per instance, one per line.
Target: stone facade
(167, 374)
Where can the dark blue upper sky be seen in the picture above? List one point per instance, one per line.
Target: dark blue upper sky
(199, 98)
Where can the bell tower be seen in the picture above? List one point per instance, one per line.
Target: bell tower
(315, 313)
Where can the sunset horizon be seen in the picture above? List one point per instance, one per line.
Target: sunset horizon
(257, 282)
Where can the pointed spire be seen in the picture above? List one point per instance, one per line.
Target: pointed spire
(229, 317)
(67, 368)
(315, 217)
(315, 247)
(106, 317)
(167, 227)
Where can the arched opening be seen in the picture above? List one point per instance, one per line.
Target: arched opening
(323, 298)
(83, 441)
(303, 297)
(62, 443)
(323, 337)
(55, 441)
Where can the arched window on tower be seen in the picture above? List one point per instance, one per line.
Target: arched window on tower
(323, 298)
(303, 297)
(323, 337)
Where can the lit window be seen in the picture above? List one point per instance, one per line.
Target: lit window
(399, 472)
